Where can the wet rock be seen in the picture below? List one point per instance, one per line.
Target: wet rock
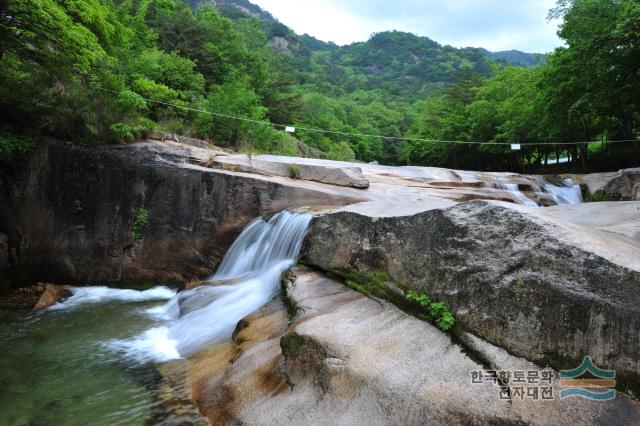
(229, 376)
(51, 295)
(20, 299)
(545, 290)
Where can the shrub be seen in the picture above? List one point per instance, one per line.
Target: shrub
(139, 223)
(12, 147)
(437, 312)
(122, 131)
(294, 171)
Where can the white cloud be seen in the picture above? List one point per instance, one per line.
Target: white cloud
(492, 24)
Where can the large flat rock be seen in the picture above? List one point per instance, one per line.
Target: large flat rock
(544, 289)
(345, 358)
(350, 176)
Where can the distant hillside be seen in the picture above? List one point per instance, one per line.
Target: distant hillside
(516, 57)
(401, 64)
(236, 9)
(404, 66)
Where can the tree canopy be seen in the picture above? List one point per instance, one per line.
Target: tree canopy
(95, 71)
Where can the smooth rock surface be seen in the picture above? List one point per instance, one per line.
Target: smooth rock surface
(348, 359)
(541, 288)
(70, 211)
(350, 176)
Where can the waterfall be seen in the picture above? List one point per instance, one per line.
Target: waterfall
(248, 277)
(518, 197)
(569, 193)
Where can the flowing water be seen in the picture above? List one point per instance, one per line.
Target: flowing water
(569, 193)
(92, 359)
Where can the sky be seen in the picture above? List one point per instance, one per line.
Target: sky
(493, 24)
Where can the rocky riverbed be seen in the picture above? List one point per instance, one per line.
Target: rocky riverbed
(532, 284)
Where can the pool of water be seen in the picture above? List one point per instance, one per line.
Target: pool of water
(58, 368)
(93, 359)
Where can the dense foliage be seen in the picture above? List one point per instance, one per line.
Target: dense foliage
(88, 71)
(586, 91)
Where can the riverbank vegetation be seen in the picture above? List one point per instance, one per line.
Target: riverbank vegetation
(93, 71)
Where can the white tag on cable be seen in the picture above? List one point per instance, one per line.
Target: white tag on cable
(290, 129)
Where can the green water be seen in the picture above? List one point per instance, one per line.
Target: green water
(55, 370)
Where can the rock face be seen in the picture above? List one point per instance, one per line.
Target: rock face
(341, 176)
(344, 358)
(51, 295)
(146, 211)
(543, 290)
(4, 256)
(625, 187)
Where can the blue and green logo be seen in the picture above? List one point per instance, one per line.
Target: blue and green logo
(599, 386)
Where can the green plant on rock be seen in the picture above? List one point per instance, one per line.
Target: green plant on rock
(294, 171)
(290, 344)
(437, 312)
(139, 223)
(13, 147)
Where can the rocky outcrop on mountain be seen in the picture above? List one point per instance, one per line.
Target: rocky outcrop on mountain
(546, 290)
(336, 356)
(142, 212)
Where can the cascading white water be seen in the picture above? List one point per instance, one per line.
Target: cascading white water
(518, 197)
(570, 193)
(209, 314)
(247, 279)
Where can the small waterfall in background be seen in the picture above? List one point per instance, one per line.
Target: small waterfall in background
(518, 197)
(569, 193)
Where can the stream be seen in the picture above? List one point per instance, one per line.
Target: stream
(93, 358)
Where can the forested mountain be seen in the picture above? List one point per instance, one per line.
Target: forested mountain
(97, 71)
(516, 57)
(405, 66)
